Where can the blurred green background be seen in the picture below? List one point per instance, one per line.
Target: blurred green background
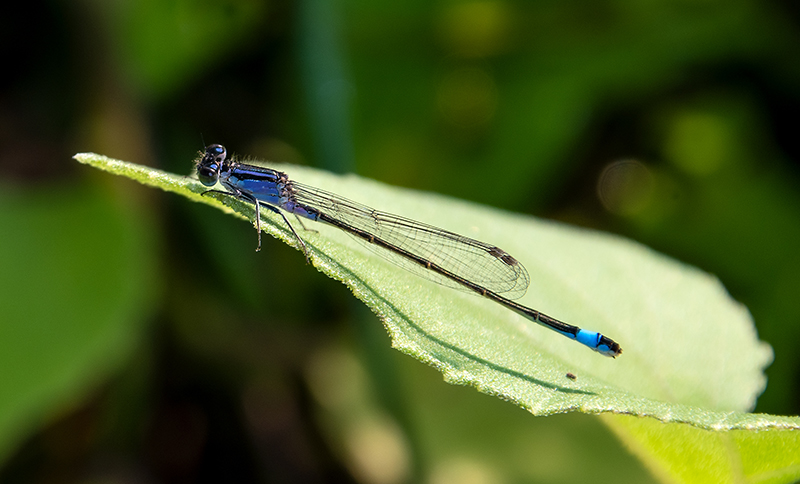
(143, 340)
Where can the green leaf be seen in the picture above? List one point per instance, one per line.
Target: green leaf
(691, 354)
(683, 453)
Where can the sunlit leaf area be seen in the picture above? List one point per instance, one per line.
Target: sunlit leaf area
(640, 159)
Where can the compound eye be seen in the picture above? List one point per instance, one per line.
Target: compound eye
(208, 174)
(218, 152)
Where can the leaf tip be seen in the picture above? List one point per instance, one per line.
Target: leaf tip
(83, 157)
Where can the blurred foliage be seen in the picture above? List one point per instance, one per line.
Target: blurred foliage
(672, 123)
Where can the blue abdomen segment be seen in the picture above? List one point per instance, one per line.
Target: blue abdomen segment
(596, 341)
(300, 210)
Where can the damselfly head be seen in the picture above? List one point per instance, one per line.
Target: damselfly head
(210, 164)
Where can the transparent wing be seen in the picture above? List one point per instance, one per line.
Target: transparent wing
(475, 261)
